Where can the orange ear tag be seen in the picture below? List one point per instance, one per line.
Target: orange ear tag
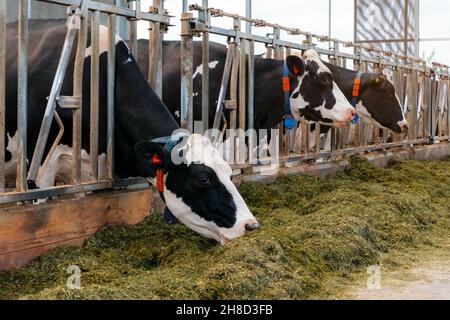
(159, 174)
(296, 72)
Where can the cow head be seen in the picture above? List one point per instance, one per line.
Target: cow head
(317, 97)
(379, 103)
(198, 189)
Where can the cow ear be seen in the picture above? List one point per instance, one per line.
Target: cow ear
(152, 156)
(379, 81)
(295, 65)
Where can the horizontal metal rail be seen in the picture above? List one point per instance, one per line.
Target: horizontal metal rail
(45, 193)
(111, 9)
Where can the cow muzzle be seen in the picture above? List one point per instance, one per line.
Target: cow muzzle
(403, 126)
(252, 226)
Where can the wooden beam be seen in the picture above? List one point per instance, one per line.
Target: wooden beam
(30, 230)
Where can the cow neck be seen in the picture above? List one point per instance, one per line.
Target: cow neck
(288, 118)
(139, 110)
(356, 88)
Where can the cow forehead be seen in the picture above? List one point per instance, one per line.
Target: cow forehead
(313, 56)
(198, 149)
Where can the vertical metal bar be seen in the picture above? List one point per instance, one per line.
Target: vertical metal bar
(2, 93)
(251, 84)
(78, 92)
(185, 6)
(132, 27)
(187, 113)
(110, 96)
(242, 84)
(155, 52)
(22, 90)
(205, 68)
(417, 28)
(224, 85)
(248, 14)
(95, 69)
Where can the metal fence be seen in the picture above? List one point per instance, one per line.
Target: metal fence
(423, 89)
(80, 13)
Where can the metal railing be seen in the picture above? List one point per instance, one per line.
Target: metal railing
(80, 12)
(423, 89)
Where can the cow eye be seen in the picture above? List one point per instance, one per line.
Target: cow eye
(205, 180)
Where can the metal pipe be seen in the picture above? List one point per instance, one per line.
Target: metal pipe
(242, 84)
(2, 93)
(110, 96)
(155, 52)
(22, 89)
(251, 85)
(248, 14)
(185, 6)
(186, 112)
(132, 28)
(205, 68)
(113, 9)
(95, 91)
(224, 85)
(78, 93)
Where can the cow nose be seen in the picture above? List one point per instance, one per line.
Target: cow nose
(252, 226)
(404, 126)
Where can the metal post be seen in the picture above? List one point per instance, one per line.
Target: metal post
(2, 92)
(187, 113)
(205, 67)
(251, 85)
(78, 93)
(51, 103)
(224, 85)
(417, 28)
(110, 96)
(95, 70)
(22, 89)
(248, 14)
(242, 84)
(155, 52)
(132, 27)
(185, 6)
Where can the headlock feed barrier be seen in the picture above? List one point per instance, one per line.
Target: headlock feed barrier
(79, 14)
(423, 90)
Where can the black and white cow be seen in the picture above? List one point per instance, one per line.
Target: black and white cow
(314, 94)
(377, 101)
(197, 189)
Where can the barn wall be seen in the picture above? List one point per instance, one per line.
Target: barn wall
(42, 10)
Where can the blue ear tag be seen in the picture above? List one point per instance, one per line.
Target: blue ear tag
(289, 122)
(355, 119)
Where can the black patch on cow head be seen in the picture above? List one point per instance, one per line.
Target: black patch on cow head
(201, 189)
(317, 90)
(378, 96)
(197, 185)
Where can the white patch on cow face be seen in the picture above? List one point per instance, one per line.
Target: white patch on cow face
(312, 55)
(199, 150)
(103, 43)
(199, 69)
(340, 114)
